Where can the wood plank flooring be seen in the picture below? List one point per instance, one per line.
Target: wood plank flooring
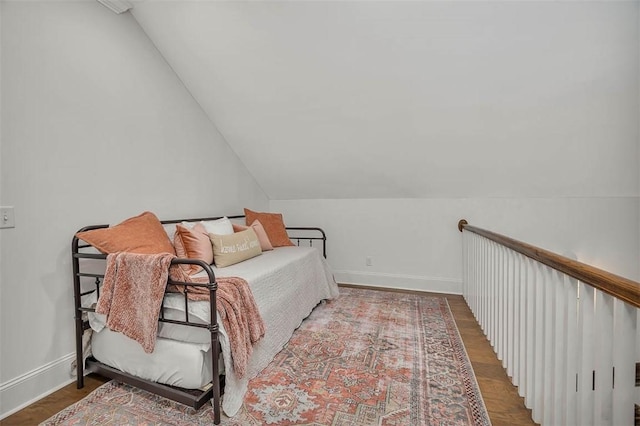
(504, 405)
(50, 405)
(501, 398)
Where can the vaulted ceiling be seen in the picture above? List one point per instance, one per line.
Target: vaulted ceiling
(364, 99)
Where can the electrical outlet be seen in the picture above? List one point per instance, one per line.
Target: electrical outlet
(7, 217)
(369, 261)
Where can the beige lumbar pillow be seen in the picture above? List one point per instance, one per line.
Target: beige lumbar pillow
(234, 248)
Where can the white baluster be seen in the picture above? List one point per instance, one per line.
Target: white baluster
(515, 315)
(499, 316)
(559, 349)
(603, 395)
(637, 358)
(584, 412)
(499, 301)
(531, 334)
(571, 358)
(495, 291)
(624, 344)
(465, 263)
(478, 286)
(491, 319)
(474, 276)
(548, 349)
(523, 329)
(471, 289)
(505, 308)
(510, 339)
(483, 265)
(538, 346)
(495, 317)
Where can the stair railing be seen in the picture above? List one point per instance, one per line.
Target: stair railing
(566, 332)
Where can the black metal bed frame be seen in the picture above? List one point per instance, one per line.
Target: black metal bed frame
(189, 397)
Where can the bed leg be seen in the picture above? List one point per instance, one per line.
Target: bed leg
(216, 386)
(216, 400)
(216, 413)
(79, 354)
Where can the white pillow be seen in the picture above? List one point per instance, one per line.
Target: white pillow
(221, 226)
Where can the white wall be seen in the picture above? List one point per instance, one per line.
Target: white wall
(523, 115)
(414, 99)
(556, 166)
(1, 262)
(415, 243)
(96, 127)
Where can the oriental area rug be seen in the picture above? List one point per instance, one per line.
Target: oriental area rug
(365, 358)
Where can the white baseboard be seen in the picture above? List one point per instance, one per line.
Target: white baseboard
(400, 282)
(34, 385)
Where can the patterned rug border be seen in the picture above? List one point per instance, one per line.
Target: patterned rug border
(166, 412)
(473, 388)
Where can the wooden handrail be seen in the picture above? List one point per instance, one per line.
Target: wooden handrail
(619, 287)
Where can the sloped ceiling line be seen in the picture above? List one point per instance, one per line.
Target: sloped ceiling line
(117, 6)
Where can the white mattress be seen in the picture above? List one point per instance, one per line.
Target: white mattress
(174, 363)
(287, 283)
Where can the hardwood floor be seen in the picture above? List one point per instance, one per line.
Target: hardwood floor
(501, 398)
(50, 405)
(504, 405)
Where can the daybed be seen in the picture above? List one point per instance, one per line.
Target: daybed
(192, 355)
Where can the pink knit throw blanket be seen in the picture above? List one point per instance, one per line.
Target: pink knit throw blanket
(238, 312)
(133, 290)
(132, 293)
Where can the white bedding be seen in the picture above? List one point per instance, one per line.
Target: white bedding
(174, 363)
(287, 283)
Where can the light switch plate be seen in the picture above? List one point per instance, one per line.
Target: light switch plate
(7, 217)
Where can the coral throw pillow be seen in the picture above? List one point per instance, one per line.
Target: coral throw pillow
(273, 226)
(265, 244)
(193, 243)
(231, 249)
(139, 234)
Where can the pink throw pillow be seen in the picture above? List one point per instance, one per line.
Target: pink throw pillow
(265, 244)
(193, 243)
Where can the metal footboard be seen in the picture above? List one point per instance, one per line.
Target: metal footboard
(193, 398)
